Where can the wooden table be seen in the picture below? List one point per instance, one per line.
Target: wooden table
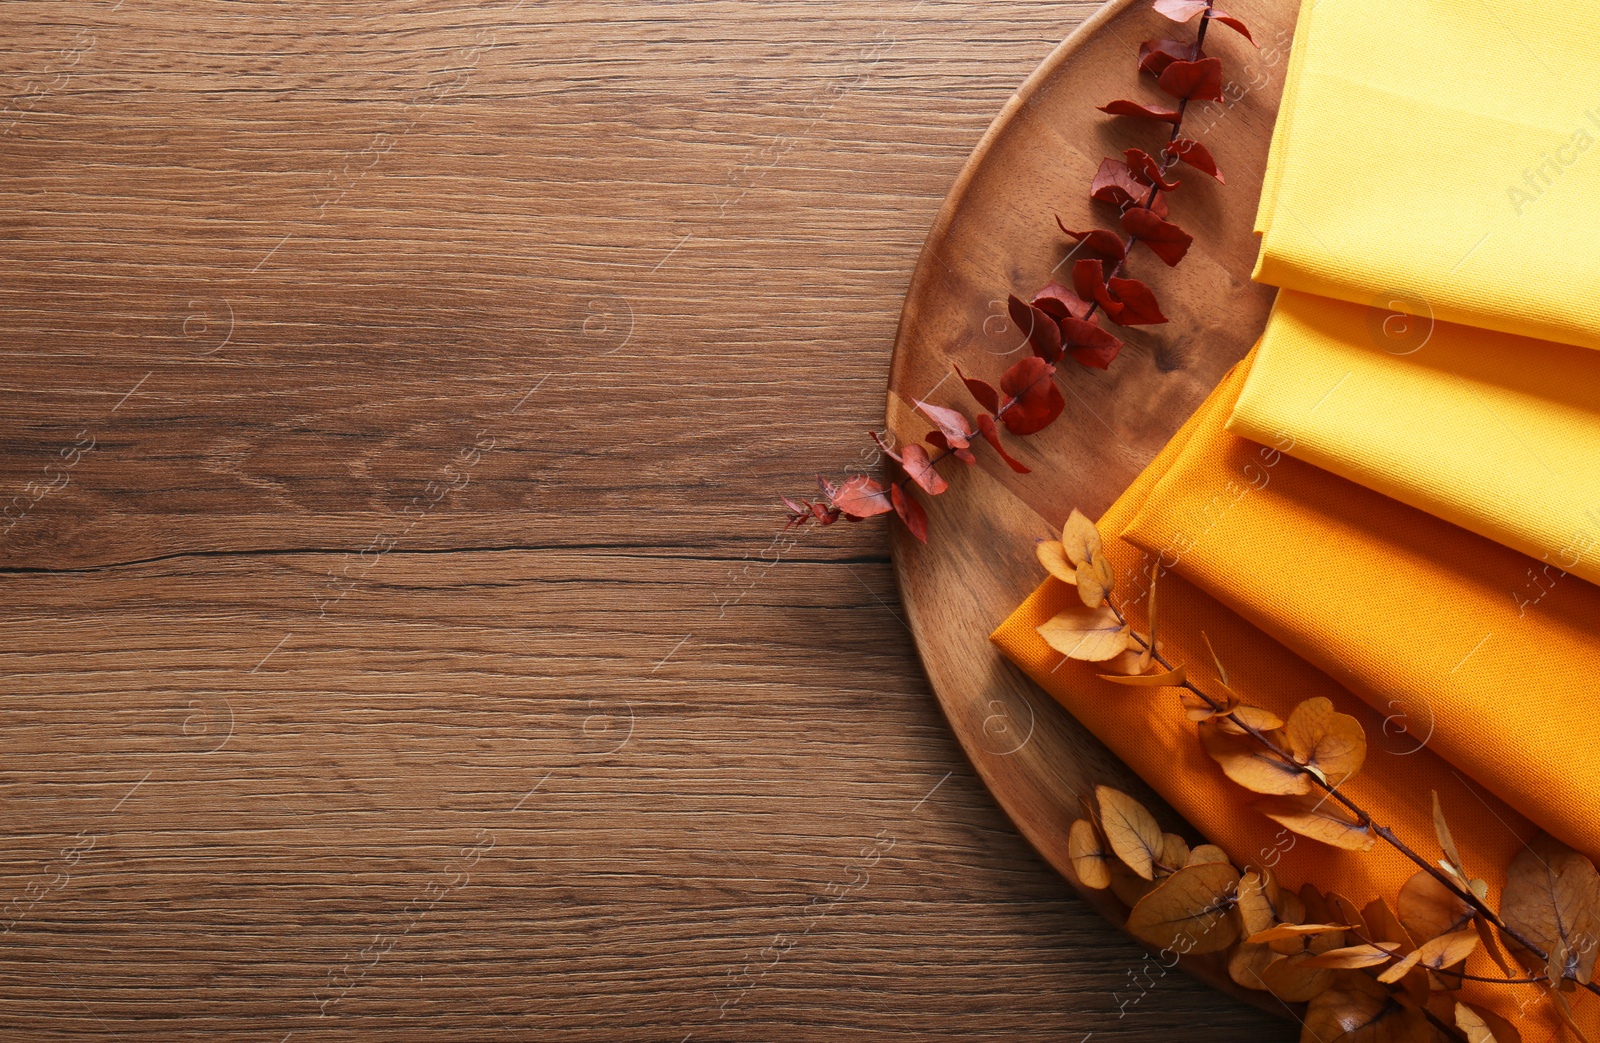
(396, 398)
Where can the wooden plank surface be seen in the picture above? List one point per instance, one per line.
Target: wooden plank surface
(393, 401)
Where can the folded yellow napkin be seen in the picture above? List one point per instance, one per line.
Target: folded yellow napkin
(1444, 153)
(1400, 608)
(1496, 433)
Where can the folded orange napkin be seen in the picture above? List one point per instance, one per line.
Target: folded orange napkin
(1310, 585)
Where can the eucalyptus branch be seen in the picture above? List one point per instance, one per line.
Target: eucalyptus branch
(1363, 817)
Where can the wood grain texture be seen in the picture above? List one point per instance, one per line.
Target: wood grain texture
(992, 238)
(395, 398)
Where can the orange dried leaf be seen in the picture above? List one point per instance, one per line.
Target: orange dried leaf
(1254, 716)
(1551, 898)
(1318, 819)
(1429, 909)
(1322, 738)
(1359, 1010)
(1092, 635)
(1173, 678)
(1447, 950)
(1248, 963)
(1208, 853)
(1293, 980)
(1355, 957)
(1447, 843)
(1383, 925)
(1189, 911)
(1174, 851)
(1222, 671)
(1482, 1026)
(1090, 859)
(1295, 930)
(1258, 901)
(1053, 556)
(1250, 764)
(1130, 829)
(1080, 538)
(1095, 578)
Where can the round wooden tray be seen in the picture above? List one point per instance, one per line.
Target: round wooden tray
(995, 235)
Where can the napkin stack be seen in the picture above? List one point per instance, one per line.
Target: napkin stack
(1394, 502)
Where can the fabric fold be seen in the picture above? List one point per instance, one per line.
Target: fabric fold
(1441, 158)
(1310, 585)
(1497, 434)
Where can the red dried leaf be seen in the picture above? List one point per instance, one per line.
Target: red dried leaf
(1088, 343)
(1089, 279)
(885, 447)
(1167, 240)
(1156, 55)
(952, 423)
(1139, 307)
(910, 512)
(1058, 302)
(1196, 155)
(1237, 26)
(920, 468)
(795, 507)
(962, 453)
(989, 431)
(1114, 183)
(1034, 401)
(1038, 326)
(1097, 239)
(1180, 10)
(825, 515)
(1144, 168)
(1124, 107)
(1201, 80)
(859, 497)
(986, 395)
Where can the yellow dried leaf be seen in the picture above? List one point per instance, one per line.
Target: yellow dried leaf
(1322, 738)
(1483, 1026)
(1447, 950)
(1552, 897)
(1090, 859)
(1208, 853)
(1130, 829)
(1173, 678)
(1359, 1010)
(1079, 538)
(1250, 764)
(1189, 911)
(1429, 909)
(1295, 930)
(1092, 635)
(1174, 851)
(1318, 819)
(1053, 556)
(1354, 957)
(1095, 579)
(1291, 979)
